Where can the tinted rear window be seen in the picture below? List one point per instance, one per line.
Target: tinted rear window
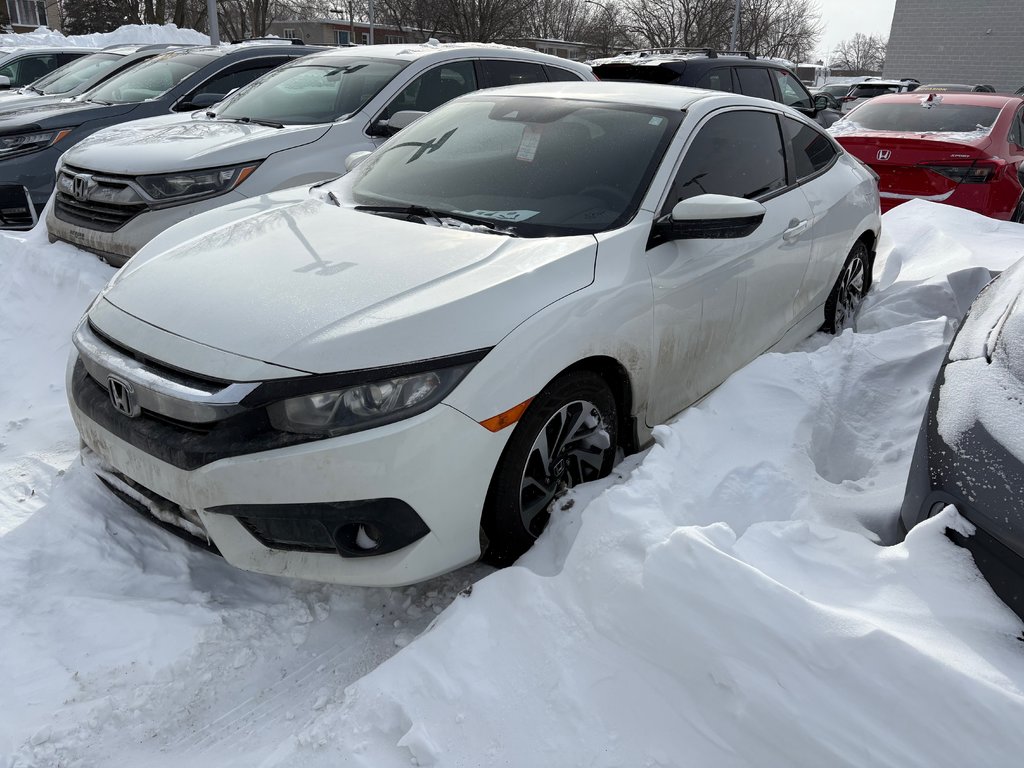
(915, 118)
(870, 91)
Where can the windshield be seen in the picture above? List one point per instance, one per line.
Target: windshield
(78, 72)
(315, 92)
(148, 80)
(917, 118)
(534, 166)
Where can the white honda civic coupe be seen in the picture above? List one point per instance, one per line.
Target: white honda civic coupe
(382, 378)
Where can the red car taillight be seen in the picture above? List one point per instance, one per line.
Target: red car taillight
(980, 172)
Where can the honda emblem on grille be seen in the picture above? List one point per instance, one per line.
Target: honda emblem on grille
(122, 395)
(884, 154)
(81, 185)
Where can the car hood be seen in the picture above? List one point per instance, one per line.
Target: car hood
(18, 100)
(306, 285)
(60, 114)
(183, 143)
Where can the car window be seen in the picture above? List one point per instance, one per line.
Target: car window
(812, 150)
(754, 81)
(497, 72)
(791, 90)
(870, 91)
(72, 75)
(1017, 128)
(317, 90)
(736, 153)
(718, 79)
(233, 77)
(557, 74)
(148, 80)
(941, 117)
(28, 69)
(433, 88)
(543, 167)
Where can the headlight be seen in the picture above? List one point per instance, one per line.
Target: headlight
(363, 406)
(208, 183)
(22, 143)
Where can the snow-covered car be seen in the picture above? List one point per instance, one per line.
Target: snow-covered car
(970, 451)
(294, 126)
(78, 76)
(372, 380)
(32, 139)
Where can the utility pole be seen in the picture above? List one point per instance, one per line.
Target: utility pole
(211, 14)
(735, 26)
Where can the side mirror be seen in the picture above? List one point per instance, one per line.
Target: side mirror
(710, 217)
(5, 82)
(206, 100)
(826, 101)
(353, 160)
(395, 123)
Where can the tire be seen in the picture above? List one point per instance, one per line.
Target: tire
(848, 292)
(575, 413)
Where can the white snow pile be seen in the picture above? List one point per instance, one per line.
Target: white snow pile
(126, 35)
(733, 597)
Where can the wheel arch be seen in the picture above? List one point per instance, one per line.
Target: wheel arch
(617, 378)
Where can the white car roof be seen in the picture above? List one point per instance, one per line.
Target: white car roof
(4, 52)
(442, 51)
(627, 92)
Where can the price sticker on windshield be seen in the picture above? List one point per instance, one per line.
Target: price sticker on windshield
(529, 143)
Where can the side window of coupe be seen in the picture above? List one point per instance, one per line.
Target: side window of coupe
(812, 151)
(433, 88)
(736, 153)
(497, 72)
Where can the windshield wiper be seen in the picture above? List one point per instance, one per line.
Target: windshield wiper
(420, 212)
(253, 120)
(97, 101)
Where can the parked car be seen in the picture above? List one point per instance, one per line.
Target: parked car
(350, 382)
(835, 90)
(869, 89)
(962, 149)
(294, 126)
(969, 451)
(33, 138)
(954, 88)
(732, 71)
(23, 65)
(78, 76)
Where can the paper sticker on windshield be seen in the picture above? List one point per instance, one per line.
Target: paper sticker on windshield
(522, 215)
(657, 120)
(528, 145)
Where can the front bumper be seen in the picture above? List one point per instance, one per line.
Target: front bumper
(438, 464)
(120, 245)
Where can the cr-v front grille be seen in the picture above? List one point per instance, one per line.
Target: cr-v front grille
(95, 215)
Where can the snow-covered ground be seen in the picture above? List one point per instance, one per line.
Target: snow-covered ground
(130, 33)
(732, 597)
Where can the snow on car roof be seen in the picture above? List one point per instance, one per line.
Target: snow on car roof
(624, 92)
(411, 52)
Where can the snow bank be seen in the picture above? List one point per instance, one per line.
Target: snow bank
(730, 598)
(130, 33)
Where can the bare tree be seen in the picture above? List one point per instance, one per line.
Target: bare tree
(860, 54)
(485, 21)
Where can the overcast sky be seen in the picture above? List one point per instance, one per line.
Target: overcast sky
(843, 18)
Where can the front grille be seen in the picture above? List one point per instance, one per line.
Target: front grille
(16, 211)
(91, 214)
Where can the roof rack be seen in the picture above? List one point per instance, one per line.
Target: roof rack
(711, 53)
(278, 40)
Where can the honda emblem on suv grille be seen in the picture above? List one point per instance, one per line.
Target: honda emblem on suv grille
(122, 395)
(81, 185)
(883, 154)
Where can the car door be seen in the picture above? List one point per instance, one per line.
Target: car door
(718, 303)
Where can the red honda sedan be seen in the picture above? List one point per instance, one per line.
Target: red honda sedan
(962, 149)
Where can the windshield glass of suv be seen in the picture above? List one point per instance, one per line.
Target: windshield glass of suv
(70, 76)
(916, 118)
(534, 166)
(319, 91)
(148, 80)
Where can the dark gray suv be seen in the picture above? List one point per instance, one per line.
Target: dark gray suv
(732, 71)
(33, 138)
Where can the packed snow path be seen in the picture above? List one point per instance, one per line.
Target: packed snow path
(730, 598)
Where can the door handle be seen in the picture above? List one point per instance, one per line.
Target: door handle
(796, 228)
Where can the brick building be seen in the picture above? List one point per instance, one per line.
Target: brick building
(28, 15)
(958, 41)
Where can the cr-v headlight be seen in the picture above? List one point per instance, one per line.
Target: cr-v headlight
(193, 184)
(22, 143)
(363, 406)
